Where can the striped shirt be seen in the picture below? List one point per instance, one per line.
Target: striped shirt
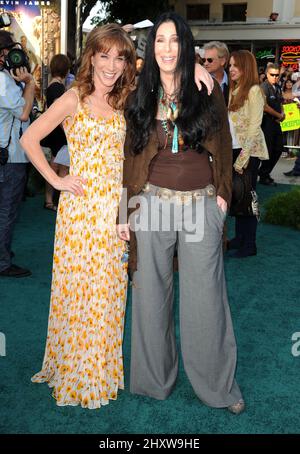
(11, 108)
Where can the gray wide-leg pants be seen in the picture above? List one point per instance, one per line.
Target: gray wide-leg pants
(206, 333)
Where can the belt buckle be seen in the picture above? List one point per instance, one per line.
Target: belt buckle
(197, 195)
(184, 197)
(146, 187)
(210, 190)
(165, 193)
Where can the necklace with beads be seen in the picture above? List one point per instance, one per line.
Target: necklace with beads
(169, 111)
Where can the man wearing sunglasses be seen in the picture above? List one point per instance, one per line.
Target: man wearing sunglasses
(273, 115)
(216, 57)
(16, 101)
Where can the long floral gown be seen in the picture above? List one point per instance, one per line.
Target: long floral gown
(83, 360)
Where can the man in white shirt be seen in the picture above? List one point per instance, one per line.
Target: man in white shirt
(16, 99)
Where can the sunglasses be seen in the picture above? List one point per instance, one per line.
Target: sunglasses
(209, 60)
(273, 75)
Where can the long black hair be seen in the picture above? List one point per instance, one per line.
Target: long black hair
(199, 117)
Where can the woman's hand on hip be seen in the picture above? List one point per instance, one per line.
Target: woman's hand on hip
(123, 232)
(222, 203)
(71, 183)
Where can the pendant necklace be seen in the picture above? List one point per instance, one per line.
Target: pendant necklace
(169, 111)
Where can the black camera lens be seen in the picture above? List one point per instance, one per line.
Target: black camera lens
(16, 58)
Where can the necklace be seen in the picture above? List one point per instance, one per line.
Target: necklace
(169, 111)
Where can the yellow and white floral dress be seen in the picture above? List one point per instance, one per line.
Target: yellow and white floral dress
(83, 360)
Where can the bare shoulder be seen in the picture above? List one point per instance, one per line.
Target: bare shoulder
(71, 99)
(65, 106)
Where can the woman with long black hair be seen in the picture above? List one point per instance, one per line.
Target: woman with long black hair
(178, 163)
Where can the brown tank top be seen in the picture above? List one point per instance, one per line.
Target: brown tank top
(186, 170)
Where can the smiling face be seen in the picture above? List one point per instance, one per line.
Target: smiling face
(234, 72)
(108, 67)
(166, 48)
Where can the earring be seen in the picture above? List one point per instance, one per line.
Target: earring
(93, 71)
(121, 80)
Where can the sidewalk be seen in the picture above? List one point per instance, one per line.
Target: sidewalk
(284, 165)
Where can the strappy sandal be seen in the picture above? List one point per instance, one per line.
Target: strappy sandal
(50, 206)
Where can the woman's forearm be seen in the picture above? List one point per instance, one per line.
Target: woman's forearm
(35, 154)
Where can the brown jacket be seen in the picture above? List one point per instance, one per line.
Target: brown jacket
(136, 167)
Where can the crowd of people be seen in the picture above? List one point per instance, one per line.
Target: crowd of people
(157, 154)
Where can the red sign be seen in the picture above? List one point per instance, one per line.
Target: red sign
(290, 56)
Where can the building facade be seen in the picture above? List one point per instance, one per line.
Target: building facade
(269, 28)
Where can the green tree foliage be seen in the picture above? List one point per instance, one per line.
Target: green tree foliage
(86, 6)
(130, 11)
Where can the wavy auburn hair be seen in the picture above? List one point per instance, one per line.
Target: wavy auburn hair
(102, 39)
(246, 63)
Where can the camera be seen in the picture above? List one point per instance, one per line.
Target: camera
(4, 20)
(16, 58)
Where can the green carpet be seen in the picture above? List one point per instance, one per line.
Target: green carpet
(264, 298)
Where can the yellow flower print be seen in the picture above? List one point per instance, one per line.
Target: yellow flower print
(56, 259)
(84, 342)
(115, 373)
(73, 395)
(80, 386)
(85, 401)
(64, 369)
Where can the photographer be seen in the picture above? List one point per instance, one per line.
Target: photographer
(16, 99)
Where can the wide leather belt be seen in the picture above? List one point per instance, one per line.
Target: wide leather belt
(183, 197)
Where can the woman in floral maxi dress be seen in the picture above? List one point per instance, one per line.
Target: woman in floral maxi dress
(83, 360)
